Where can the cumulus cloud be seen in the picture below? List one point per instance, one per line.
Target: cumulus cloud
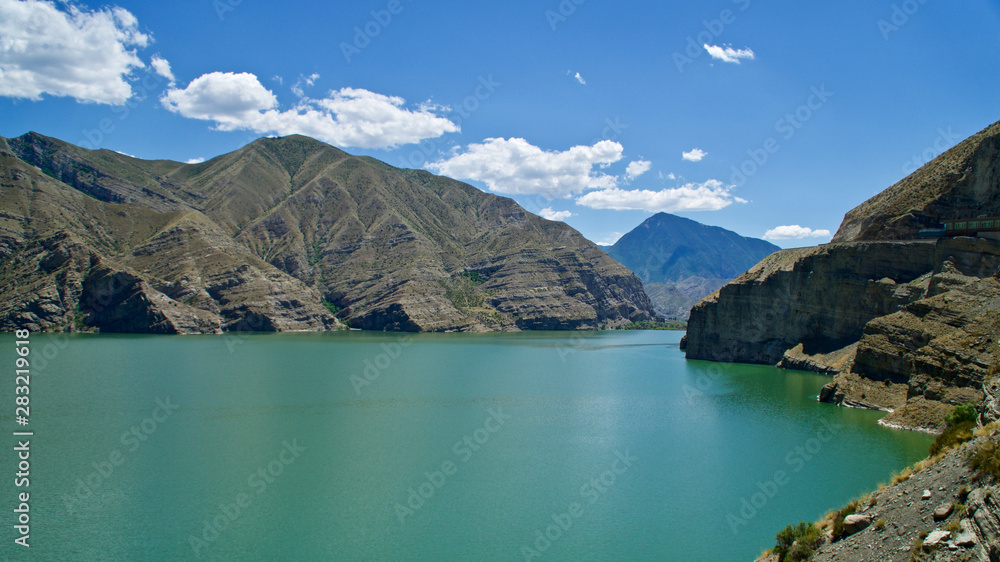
(580, 79)
(793, 232)
(728, 53)
(670, 176)
(514, 166)
(709, 196)
(198, 160)
(637, 168)
(695, 155)
(548, 213)
(348, 117)
(162, 67)
(77, 53)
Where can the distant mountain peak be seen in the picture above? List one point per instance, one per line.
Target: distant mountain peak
(680, 260)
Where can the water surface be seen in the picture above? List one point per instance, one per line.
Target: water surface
(361, 446)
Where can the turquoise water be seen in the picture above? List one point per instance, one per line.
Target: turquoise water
(361, 446)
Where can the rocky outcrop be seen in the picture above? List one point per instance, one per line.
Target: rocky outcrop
(819, 298)
(907, 326)
(280, 235)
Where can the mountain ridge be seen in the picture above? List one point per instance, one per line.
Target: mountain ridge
(385, 248)
(680, 261)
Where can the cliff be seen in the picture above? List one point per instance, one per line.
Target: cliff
(282, 235)
(905, 325)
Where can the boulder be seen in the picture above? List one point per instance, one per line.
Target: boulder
(856, 523)
(937, 538)
(943, 511)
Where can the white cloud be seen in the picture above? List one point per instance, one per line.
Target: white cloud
(794, 231)
(348, 117)
(610, 239)
(580, 79)
(670, 176)
(548, 213)
(198, 160)
(637, 168)
(162, 67)
(514, 166)
(709, 196)
(728, 53)
(298, 90)
(695, 155)
(86, 55)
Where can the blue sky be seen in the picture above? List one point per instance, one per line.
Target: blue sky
(789, 113)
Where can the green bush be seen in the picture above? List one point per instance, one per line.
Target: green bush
(334, 309)
(797, 542)
(954, 435)
(962, 414)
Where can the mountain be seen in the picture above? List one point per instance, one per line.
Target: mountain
(681, 261)
(281, 235)
(909, 326)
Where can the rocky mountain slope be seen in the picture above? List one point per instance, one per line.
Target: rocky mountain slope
(680, 261)
(961, 183)
(281, 235)
(941, 509)
(907, 326)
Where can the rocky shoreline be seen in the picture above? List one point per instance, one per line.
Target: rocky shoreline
(941, 509)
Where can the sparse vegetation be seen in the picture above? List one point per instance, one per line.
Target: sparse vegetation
(464, 295)
(839, 516)
(903, 475)
(797, 542)
(953, 436)
(986, 460)
(334, 309)
(78, 315)
(476, 277)
(880, 524)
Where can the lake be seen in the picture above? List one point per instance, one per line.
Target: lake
(371, 446)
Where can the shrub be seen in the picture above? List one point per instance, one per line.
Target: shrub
(954, 435)
(839, 516)
(961, 414)
(797, 542)
(334, 309)
(987, 460)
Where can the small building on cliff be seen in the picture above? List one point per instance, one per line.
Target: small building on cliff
(982, 227)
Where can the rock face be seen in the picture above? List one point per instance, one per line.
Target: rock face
(908, 326)
(277, 235)
(681, 261)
